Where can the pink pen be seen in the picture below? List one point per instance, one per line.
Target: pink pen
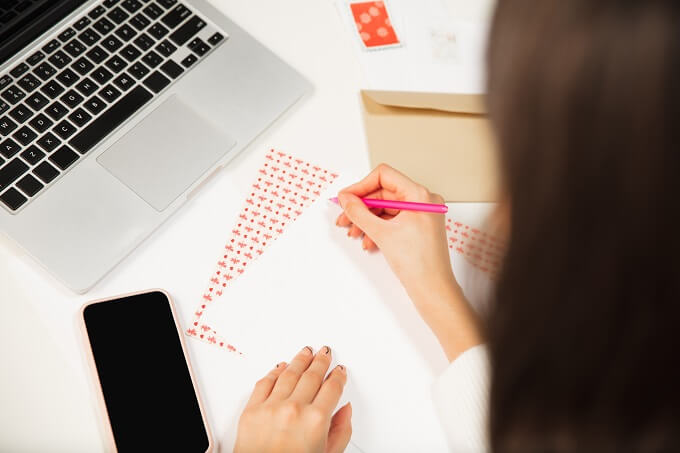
(401, 205)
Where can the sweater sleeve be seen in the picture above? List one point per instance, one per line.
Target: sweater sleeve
(461, 397)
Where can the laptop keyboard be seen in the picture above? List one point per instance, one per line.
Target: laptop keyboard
(69, 95)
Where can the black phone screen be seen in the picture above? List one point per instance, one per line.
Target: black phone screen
(144, 375)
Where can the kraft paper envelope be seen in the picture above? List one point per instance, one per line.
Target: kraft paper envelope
(450, 152)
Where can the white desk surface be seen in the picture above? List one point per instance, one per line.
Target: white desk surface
(46, 402)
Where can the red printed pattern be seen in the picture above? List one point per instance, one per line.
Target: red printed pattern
(373, 24)
(283, 189)
(482, 250)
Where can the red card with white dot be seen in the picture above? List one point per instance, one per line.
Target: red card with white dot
(480, 249)
(374, 24)
(283, 188)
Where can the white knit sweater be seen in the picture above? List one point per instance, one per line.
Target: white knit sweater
(461, 397)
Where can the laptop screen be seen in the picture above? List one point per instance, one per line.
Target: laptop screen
(22, 21)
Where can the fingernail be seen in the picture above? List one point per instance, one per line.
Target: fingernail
(342, 369)
(326, 350)
(307, 350)
(279, 365)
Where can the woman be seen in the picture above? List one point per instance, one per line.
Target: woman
(581, 337)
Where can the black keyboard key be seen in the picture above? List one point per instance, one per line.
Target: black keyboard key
(82, 66)
(116, 64)
(41, 123)
(29, 82)
(199, 47)
(56, 110)
(172, 69)
(9, 148)
(13, 199)
(74, 48)
(111, 119)
(166, 48)
(64, 157)
(130, 52)
(49, 142)
(214, 39)
(158, 31)
(21, 113)
(144, 41)
(138, 70)
(153, 11)
(189, 60)
(101, 75)
(19, 70)
(51, 46)
(89, 37)
(131, 5)
(45, 70)
(7, 126)
(167, 3)
(60, 59)
(124, 82)
(67, 34)
(52, 89)
(5, 81)
(11, 172)
(29, 185)
(80, 117)
(67, 77)
(140, 22)
(37, 101)
(3, 106)
(97, 12)
(64, 129)
(152, 59)
(117, 15)
(110, 3)
(32, 155)
(109, 93)
(111, 43)
(87, 87)
(125, 32)
(82, 23)
(103, 26)
(188, 30)
(175, 17)
(71, 98)
(13, 94)
(156, 82)
(25, 135)
(95, 105)
(46, 172)
(35, 58)
(97, 54)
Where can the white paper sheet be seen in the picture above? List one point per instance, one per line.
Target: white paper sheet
(316, 286)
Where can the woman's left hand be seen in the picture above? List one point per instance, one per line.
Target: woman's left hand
(291, 408)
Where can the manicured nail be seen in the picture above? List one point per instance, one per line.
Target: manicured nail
(326, 350)
(307, 350)
(279, 365)
(341, 368)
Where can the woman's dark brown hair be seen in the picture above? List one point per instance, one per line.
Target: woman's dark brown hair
(585, 100)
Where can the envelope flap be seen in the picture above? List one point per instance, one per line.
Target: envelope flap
(448, 102)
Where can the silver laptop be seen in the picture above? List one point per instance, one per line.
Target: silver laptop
(112, 114)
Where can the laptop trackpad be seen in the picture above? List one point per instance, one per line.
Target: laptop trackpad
(166, 152)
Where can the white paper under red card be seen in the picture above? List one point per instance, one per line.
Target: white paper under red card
(283, 188)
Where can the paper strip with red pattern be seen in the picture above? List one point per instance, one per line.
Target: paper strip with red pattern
(283, 189)
(480, 249)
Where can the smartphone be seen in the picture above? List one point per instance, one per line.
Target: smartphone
(147, 391)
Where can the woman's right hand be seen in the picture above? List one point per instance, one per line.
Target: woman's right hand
(414, 245)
